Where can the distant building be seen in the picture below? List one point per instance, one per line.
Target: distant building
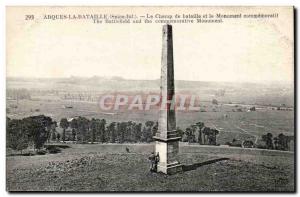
(252, 108)
(68, 106)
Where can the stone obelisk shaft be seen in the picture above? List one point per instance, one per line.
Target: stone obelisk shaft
(167, 140)
(167, 119)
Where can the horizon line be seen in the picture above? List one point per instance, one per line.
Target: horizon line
(129, 79)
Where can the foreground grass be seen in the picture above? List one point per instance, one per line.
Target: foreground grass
(77, 169)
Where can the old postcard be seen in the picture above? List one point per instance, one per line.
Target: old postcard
(155, 99)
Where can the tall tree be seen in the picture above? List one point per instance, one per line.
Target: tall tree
(200, 126)
(154, 129)
(36, 126)
(206, 131)
(53, 131)
(74, 126)
(102, 130)
(93, 129)
(190, 135)
(17, 138)
(111, 128)
(121, 131)
(283, 142)
(148, 133)
(83, 127)
(64, 124)
(138, 132)
(194, 130)
(268, 140)
(128, 131)
(180, 132)
(212, 136)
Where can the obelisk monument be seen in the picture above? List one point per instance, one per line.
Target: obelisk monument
(167, 139)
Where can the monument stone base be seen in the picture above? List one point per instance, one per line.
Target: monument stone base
(167, 148)
(170, 168)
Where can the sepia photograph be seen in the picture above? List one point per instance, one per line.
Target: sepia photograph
(150, 99)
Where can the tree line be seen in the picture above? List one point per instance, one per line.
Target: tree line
(281, 142)
(85, 130)
(35, 131)
(199, 133)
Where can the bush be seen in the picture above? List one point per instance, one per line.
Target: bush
(215, 102)
(53, 149)
(261, 146)
(41, 152)
(28, 154)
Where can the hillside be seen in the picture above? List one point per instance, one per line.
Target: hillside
(110, 168)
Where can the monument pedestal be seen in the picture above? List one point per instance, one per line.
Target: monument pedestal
(168, 148)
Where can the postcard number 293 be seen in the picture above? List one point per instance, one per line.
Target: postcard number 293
(29, 17)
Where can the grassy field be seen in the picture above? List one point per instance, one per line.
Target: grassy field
(239, 125)
(110, 168)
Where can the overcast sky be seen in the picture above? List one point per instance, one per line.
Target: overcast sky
(236, 50)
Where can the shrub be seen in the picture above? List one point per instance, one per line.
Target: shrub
(41, 152)
(53, 149)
